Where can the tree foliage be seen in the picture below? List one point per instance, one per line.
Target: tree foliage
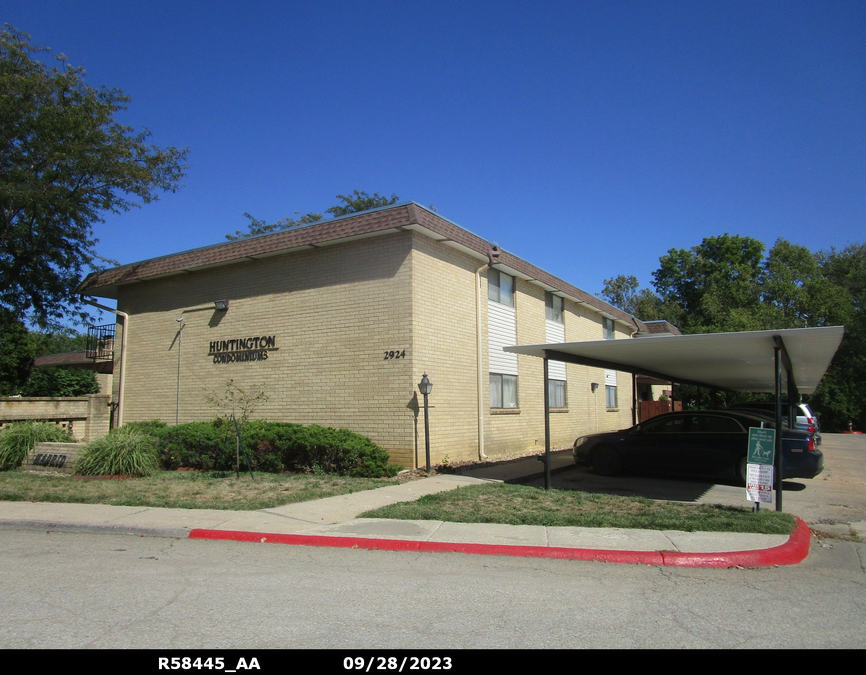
(730, 283)
(713, 286)
(59, 380)
(257, 226)
(64, 163)
(360, 201)
(18, 348)
(355, 202)
(624, 292)
(17, 352)
(841, 396)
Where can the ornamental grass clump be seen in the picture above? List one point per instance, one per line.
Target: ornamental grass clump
(18, 439)
(123, 452)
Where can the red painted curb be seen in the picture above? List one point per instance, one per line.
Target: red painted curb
(790, 553)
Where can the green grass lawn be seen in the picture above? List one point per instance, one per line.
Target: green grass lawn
(184, 489)
(520, 505)
(488, 503)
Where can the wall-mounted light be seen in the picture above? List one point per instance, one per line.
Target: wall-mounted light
(221, 305)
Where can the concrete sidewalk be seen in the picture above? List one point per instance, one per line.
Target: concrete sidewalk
(334, 522)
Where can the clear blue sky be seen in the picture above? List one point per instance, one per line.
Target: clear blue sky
(586, 137)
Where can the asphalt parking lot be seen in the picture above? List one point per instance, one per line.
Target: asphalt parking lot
(835, 497)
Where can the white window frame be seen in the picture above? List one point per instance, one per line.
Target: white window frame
(494, 287)
(560, 399)
(550, 310)
(608, 329)
(497, 392)
(610, 397)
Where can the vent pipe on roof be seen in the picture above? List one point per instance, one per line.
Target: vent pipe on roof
(492, 254)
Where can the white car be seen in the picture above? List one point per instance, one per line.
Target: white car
(806, 419)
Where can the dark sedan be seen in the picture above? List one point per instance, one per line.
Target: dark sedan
(707, 443)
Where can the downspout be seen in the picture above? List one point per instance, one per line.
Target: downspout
(492, 259)
(125, 320)
(479, 367)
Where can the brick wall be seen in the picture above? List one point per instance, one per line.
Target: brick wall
(334, 312)
(445, 347)
(87, 416)
(356, 325)
(443, 318)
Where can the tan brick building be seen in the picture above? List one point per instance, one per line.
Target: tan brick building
(338, 321)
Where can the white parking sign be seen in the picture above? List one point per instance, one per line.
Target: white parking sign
(759, 483)
(759, 471)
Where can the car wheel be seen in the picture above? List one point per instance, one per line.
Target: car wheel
(742, 470)
(607, 462)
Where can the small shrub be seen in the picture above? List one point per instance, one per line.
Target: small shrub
(122, 452)
(18, 439)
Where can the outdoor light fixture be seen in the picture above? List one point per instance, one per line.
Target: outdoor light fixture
(221, 305)
(425, 386)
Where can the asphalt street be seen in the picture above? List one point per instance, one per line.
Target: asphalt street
(74, 587)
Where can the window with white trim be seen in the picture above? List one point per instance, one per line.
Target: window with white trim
(608, 328)
(503, 391)
(553, 307)
(610, 389)
(556, 394)
(500, 287)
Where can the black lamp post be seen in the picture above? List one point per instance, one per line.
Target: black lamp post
(425, 387)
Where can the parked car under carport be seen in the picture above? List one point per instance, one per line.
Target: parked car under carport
(705, 443)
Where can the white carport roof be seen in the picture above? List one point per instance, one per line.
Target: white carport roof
(735, 361)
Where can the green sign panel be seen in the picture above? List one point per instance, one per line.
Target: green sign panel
(762, 444)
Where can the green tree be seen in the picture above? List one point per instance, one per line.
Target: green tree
(360, 201)
(727, 284)
(18, 348)
(625, 293)
(716, 286)
(59, 380)
(798, 291)
(354, 203)
(64, 162)
(841, 396)
(257, 227)
(17, 351)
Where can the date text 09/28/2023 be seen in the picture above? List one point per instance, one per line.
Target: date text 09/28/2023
(407, 663)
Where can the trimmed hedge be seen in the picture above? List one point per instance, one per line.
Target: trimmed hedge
(272, 447)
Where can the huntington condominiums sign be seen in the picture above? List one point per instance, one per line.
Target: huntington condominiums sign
(240, 350)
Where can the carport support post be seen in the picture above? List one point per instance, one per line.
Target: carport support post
(778, 459)
(546, 428)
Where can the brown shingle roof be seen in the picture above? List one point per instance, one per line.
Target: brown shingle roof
(660, 326)
(73, 359)
(403, 216)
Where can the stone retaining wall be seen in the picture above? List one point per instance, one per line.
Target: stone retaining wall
(87, 417)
